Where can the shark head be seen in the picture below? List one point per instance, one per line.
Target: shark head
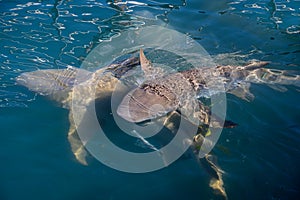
(141, 104)
(149, 101)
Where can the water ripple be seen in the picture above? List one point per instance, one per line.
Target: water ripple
(43, 35)
(281, 14)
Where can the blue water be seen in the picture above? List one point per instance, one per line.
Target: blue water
(260, 157)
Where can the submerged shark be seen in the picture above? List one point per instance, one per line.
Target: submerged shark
(177, 93)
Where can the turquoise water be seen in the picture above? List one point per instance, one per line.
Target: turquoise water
(260, 157)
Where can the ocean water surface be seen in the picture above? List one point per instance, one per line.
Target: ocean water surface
(260, 157)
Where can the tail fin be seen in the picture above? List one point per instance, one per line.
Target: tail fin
(273, 77)
(50, 81)
(256, 73)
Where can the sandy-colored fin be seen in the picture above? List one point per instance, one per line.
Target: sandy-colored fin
(275, 77)
(242, 91)
(193, 111)
(256, 64)
(171, 121)
(216, 181)
(149, 70)
(174, 120)
(207, 119)
(146, 64)
(51, 81)
(77, 147)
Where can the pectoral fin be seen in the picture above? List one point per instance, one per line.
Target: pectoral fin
(256, 65)
(242, 91)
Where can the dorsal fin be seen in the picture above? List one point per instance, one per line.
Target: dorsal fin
(146, 64)
(148, 69)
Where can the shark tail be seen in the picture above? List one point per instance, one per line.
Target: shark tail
(256, 73)
(50, 81)
(216, 180)
(276, 79)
